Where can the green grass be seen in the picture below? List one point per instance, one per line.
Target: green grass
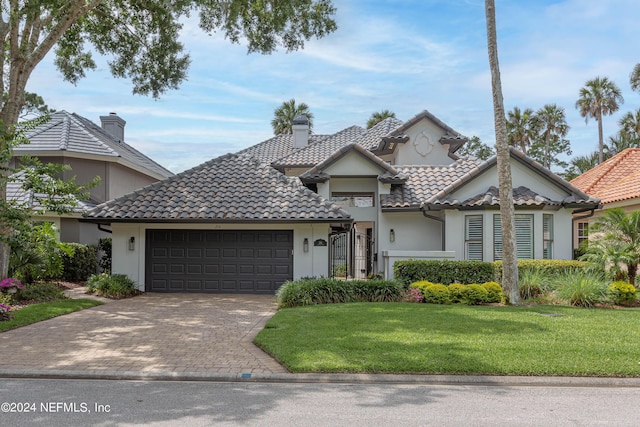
(453, 339)
(45, 310)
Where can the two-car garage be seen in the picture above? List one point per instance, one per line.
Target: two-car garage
(218, 261)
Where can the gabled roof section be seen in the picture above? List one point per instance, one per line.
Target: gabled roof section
(72, 133)
(319, 151)
(231, 188)
(278, 147)
(423, 182)
(317, 173)
(26, 198)
(372, 138)
(576, 197)
(522, 196)
(615, 179)
(451, 136)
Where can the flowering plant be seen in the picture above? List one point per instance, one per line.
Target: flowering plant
(4, 312)
(412, 295)
(10, 285)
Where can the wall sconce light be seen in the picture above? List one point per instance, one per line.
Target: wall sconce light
(305, 245)
(132, 243)
(392, 235)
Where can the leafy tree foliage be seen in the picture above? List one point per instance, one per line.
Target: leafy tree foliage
(140, 40)
(580, 164)
(474, 147)
(521, 128)
(379, 116)
(634, 78)
(599, 97)
(283, 116)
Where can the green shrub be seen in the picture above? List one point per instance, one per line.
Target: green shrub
(494, 291)
(421, 285)
(114, 286)
(311, 291)
(547, 267)
(7, 299)
(81, 264)
(581, 289)
(458, 292)
(622, 293)
(39, 291)
(475, 295)
(445, 272)
(437, 293)
(533, 282)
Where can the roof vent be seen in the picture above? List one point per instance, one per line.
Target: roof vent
(300, 131)
(114, 126)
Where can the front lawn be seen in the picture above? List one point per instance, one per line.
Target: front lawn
(45, 310)
(455, 339)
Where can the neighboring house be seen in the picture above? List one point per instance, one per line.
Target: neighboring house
(91, 151)
(347, 204)
(616, 182)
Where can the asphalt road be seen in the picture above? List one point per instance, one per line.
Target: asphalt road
(158, 403)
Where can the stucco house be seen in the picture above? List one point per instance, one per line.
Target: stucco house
(616, 182)
(91, 151)
(347, 204)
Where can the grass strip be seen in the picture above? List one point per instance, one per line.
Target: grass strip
(455, 339)
(45, 310)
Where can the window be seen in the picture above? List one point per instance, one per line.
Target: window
(353, 200)
(547, 236)
(583, 232)
(524, 237)
(473, 237)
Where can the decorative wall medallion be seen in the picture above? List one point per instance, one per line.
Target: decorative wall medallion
(423, 144)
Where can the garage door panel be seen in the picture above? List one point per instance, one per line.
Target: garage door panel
(248, 261)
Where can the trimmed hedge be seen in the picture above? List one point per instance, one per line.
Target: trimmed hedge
(548, 267)
(82, 264)
(445, 272)
(312, 291)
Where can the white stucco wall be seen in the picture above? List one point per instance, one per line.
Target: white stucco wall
(132, 263)
(423, 147)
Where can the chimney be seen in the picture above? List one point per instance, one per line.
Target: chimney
(300, 131)
(114, 126)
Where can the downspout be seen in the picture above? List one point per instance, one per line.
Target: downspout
(442, 229)
(106, 230)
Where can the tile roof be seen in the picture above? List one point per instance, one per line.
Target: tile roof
(319, 151)
(615, 179)
(372, 137)
(231, 188)
(26, 198)
(277, 147)
(522, 196)
(575, 197)
(423, 182)
(73, 133)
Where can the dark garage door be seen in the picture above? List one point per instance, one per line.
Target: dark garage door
(218, 261)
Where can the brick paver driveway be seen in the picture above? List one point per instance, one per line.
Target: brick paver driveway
(174, 333)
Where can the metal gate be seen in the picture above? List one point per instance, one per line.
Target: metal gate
(351, 254)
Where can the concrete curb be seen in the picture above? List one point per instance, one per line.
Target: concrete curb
(470, 380)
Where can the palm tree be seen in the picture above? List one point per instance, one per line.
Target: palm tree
(580, 165)
(553, 127)
(283, 116)
(599, 97)
(379, 116)
(634, 78)
(521, 128)
(630, 125)
(503, 157)
(619, 143)
(616, 236)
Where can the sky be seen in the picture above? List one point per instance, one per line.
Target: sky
(404, 56)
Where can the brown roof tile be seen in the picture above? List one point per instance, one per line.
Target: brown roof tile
(615, 179)
(231, 188)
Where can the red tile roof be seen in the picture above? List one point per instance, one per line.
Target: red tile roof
(614, 180)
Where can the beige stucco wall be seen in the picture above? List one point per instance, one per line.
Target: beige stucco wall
(122, 180)
(423, 147)
(132, 263)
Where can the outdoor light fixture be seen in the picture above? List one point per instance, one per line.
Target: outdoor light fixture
(132, 243)
(392, 235)
(305, 245)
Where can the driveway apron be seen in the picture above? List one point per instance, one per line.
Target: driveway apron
(164, 333)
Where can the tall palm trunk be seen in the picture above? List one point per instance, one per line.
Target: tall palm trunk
(507, 213)
(600, 138)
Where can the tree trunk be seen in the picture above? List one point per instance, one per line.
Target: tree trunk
(507, 213)
(600, 138)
